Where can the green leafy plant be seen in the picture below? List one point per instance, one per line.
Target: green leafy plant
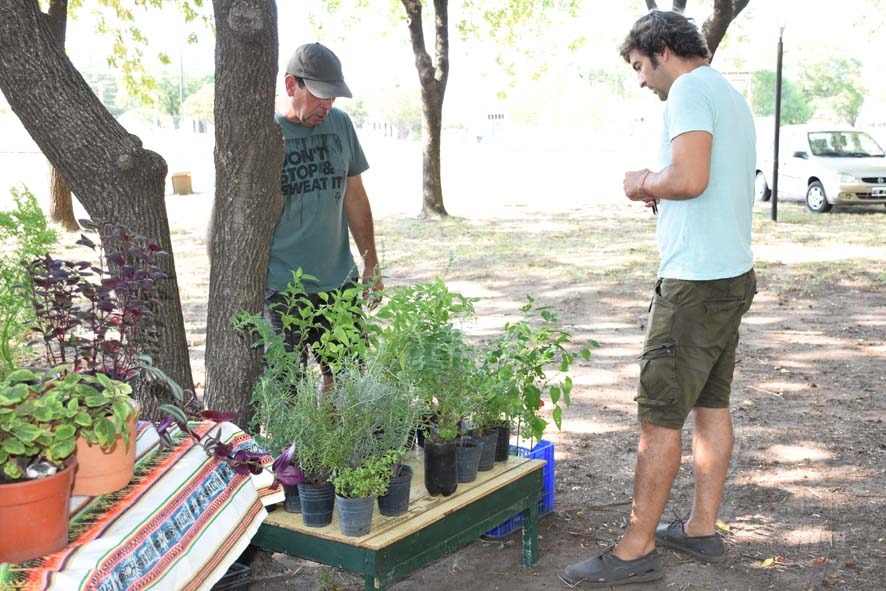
(308, 417)
(339, 318)
(370, 478)
(515, 370)
(41, 415)
(24, 234)
(420, 344)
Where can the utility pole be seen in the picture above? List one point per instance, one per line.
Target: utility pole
(777, 124)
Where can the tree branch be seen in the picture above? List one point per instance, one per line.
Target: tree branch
(715, 26)
(441, 29)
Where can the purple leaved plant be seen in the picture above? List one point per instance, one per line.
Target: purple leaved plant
(242, 461)
(98, 317)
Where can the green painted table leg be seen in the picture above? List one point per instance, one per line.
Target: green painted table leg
(530, 535)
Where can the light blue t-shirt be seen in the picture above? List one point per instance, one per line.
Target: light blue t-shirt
(709, 237)
(312, 232)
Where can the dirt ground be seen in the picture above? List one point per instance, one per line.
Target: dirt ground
(803, 506)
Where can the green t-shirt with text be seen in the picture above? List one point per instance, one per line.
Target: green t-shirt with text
(312, 232)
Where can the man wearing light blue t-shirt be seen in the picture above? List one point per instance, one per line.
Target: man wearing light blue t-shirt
(323, 193)
(704, 191)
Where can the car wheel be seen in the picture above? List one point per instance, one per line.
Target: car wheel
(815, 198)
(761, 189)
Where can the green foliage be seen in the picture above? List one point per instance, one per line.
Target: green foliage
(24, 234)
(308, 417)
(342, 309)
(420, 345)
(402, 109)
(834, 83)
(370, 479)
(356, 110)
(795, 108)
(515, 368)
(200, 104)
(170, 89)
(129, 45)
(362, 415)
(41, 416)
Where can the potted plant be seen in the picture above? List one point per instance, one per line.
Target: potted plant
(188, 408)
(356, 490)
(375, 413)
(420, 343)
(309, 419)
(274, 421)
(41, 416)
(518, 362)
(490, 408)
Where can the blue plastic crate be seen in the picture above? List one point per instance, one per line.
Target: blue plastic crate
(544, 450)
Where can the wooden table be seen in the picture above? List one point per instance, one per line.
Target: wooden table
(433, 527)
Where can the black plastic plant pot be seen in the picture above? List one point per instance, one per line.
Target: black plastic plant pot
(487, 454)
(468, 458)
(396, 500)
(291, 500)
(355, 515)
(441, 468)
(503, 444)
(317, 503)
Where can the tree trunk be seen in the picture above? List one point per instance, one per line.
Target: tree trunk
(714, 28)
(248, 161)
(61, 203)
(432, 79)
(61, 206)
(112, 175)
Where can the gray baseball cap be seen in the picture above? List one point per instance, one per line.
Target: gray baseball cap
(320, 69)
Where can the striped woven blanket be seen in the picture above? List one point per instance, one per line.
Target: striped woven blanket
(180, 524)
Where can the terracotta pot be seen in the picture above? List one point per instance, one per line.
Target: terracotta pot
(103, 471)
(34, 514)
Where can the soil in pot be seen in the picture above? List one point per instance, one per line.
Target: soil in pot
(355, 515)
(441, 468)
(396, 500)
(34, 515)
(468, 458)
(317, 503)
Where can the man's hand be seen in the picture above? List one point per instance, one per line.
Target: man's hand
(635, 182)
(373, 286)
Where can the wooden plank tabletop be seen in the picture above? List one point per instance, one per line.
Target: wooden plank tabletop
(423, 508)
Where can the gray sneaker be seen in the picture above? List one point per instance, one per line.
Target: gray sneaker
(607, 570)
(704, 548)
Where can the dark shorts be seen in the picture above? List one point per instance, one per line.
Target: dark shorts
(689, 353)
(275, 300)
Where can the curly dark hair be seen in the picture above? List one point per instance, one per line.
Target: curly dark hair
(659, 29)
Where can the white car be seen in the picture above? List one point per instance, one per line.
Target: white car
(826, 166)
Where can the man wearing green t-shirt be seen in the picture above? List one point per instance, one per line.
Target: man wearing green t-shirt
(323, 194)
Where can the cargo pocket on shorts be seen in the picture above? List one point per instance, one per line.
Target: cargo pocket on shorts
(658, 375)
(722, 316)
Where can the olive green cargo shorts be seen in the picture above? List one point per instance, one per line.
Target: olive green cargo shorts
(689, 353)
